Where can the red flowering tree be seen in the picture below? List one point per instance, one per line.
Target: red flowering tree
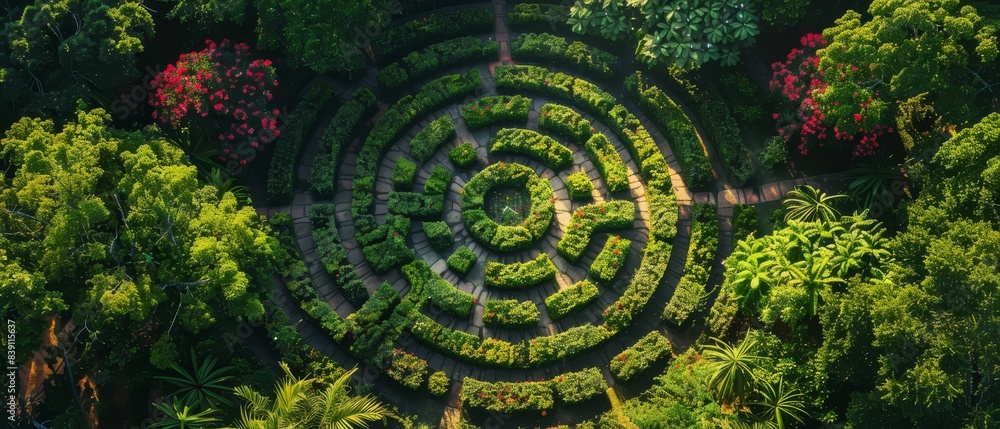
(221, 91)
(800, 82)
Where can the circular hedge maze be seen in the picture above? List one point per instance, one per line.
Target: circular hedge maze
(498, 237)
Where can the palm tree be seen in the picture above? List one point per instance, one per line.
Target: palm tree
(224, 183)
(814, 274)
(808, 204)
(299, 403)
(204, 386)
(779, 402)
(732, 368)
(181, 415)
(749, 272)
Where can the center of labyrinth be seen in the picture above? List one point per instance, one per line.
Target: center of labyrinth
(507, 222)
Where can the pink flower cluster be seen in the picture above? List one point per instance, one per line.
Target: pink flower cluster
(221, 87)
(799, 80)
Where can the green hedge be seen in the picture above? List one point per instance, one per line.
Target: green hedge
(438, 181)
(611, 259)
(531, 143)
(642, 147)
(438, 383)
(403, 174)
(506, 396)
(552, 348)
(579, 386)
(462, 260)
(532, 16)
(518, 275)
(510, 313)
(591, 219)
(337, 138)
(579, 186)
(416, 205)
(556, 50)
(569, 300)
(430, 138)
(407, 369)
(565, 121)
(637, 358)
(454, 301)
(645, 280)
(439, 235)
(462, 155)
(417, 33)
(690, 293)
(284, 162)
(333, 255)
(505, 237)
(696, 169)
(419, 65)
(469, 347)
(608, 162)
(494, 110)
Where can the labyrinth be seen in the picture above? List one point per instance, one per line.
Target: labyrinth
(505, 236)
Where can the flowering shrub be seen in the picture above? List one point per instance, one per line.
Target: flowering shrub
(505, 396)
(510, 313)
(611, 259)
(580, 386)
(407, 369)
(222, 87)
(566, 301)
(640, 355)
(799, 81)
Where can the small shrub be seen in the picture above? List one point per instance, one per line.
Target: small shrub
(407, 369)
(510, 313)
(438, 182)
(426, 142)
(566, 301)
(579, 186)
(611, 259)
(439, 235)
(463, 155)
(580, 386)
(462, 260)
(403, 174)
(519, 275)
(775, 154)
(438, 383)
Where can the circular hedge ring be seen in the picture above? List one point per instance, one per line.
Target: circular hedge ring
(507, 238)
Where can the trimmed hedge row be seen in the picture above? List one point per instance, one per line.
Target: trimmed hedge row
(438, 181)
(416, 33)
(333, 255)
(416, 205)
(496, 109)
(430, 138)
(434, 94)
(668, 115)
(462, 260)
(689, 295)
(611, 259)
(579, 186)
(281, 174)
(418, 65)
(569, 300)
(453, 300)
(504, 237)
(639, 356)
(407, 369)
(645, 280)
(509, 397)
(544, 47)
(552, 348)
(519, 275)
(462, 155)
(531, 143)
(404, 174)
(532, 16)
(591, 219)
(609, 163)
(602, 105)
(439, 235)
(337, 138)
(510, 313)
(565, 121)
